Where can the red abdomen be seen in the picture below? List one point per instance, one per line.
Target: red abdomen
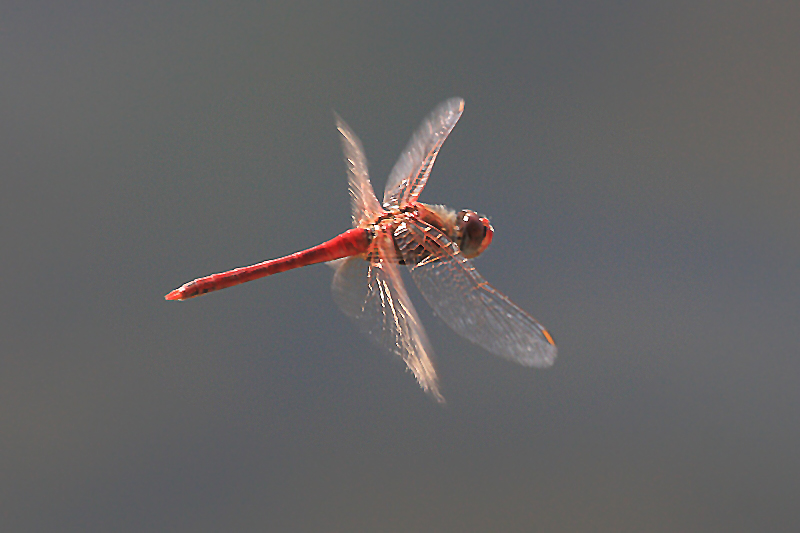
(352, 242)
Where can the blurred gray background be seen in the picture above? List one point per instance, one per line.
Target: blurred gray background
(639, 162)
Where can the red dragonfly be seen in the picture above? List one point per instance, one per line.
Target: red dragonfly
(434, 242)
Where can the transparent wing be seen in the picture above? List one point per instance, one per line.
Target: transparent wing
(466, 302)
(410, 173)
(372, 294)
(364, 204)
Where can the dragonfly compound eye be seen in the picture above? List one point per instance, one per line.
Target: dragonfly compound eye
(473, 233)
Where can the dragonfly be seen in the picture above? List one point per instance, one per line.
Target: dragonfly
(435, 243)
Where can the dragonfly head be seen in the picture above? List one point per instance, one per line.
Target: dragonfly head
(473, 233)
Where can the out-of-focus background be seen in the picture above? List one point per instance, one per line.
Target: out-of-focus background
(639, 162)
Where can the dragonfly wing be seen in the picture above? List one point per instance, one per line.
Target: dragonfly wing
(410, 173)
(372, 294)
(466, 302)
(364, 204)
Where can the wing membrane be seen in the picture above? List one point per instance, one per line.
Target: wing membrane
(363, 202)
(372, 294)
(411, 172)
(466, 302)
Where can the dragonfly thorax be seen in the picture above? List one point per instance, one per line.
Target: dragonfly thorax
(469, 230)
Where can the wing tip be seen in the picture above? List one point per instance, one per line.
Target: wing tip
(432, 390)
(537, 354)
(546, 356)
(455, 105)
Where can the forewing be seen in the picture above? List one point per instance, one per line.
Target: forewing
(372, 294)
(466, 302)
(410, 173)
(363, 202)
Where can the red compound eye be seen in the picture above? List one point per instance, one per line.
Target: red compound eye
(473, 233)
